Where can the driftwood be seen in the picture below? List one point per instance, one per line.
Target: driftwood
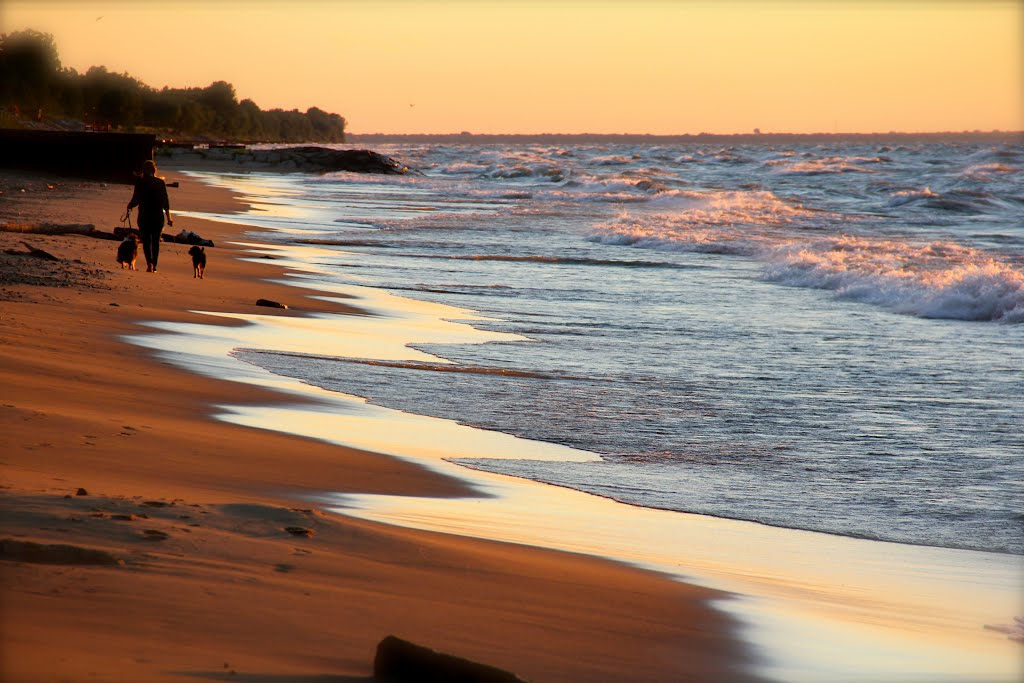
(39, 253)
(187, 237)
(49, 228)
(14, 550)
(120, 232)
(270, 304)
(103, 235)
(83, 229)
(399, 660)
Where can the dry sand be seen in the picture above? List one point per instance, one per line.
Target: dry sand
(177, 563)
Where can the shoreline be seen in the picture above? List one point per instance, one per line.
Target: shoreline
(797, 593)
(195, 508)
(776, 587)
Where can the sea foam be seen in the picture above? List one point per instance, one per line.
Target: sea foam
(721, 222)
(931, 280)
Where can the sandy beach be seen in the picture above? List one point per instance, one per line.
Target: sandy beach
(686, 347)
(144, 540)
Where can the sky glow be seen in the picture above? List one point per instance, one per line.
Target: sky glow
(569, 66)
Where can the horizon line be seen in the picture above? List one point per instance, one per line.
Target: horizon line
(758, 134)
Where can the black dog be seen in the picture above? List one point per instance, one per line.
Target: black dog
(198, 255)
(128, 251)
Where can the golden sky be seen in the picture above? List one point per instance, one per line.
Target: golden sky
(571, 66)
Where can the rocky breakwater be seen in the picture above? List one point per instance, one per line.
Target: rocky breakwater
(309, 159)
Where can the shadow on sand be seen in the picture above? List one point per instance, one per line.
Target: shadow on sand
(238, 677)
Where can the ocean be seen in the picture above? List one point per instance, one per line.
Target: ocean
(824, 337)
(789, 373)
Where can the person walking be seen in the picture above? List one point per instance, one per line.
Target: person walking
(150, 196)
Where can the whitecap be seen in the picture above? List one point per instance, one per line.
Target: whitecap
(828, 165)
(936, 280)
(909, 196)
(933, 280)
(984, 171)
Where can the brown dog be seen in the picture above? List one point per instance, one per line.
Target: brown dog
(198, 255)
(128, 251)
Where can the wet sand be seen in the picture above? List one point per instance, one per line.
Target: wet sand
(195, 550)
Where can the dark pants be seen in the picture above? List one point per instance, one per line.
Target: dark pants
(151, 244)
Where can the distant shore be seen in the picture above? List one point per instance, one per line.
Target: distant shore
(894, 138)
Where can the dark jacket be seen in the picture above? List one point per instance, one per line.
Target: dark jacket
(151, 197)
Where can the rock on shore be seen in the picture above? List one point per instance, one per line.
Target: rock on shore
(310, 159)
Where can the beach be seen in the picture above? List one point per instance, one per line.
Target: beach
(145, 540)
(579, 412)
(512, 364)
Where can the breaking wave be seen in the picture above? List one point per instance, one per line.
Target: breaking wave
(826, 165)
(936, 280)
(909, 196)
(722, 222)
(985, 171)
(933, 280)
(957, 201)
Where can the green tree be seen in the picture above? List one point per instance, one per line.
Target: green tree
(29, 65)
(219, 97)
(253, 128)
(31, 79)
(194, 118)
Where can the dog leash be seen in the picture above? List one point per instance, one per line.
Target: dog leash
(127, 218)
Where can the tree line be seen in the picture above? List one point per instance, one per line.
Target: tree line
(34, 86)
